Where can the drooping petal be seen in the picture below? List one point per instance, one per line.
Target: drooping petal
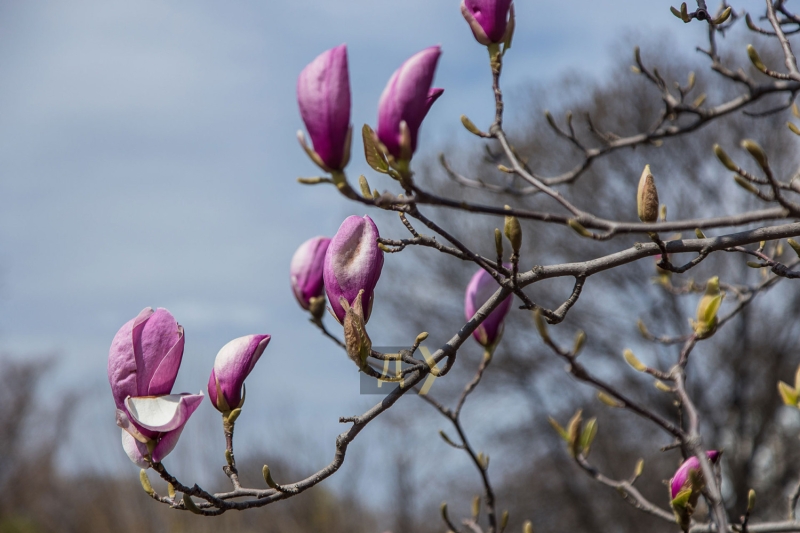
(135, 450)
(481, 287)
(353, 263)
(323, 93)
(163, 413)
(406, 98)
(233, 364)
(306, 270)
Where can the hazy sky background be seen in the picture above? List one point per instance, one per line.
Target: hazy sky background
(149, 158)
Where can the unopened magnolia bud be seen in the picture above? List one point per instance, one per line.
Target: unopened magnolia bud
(723, 16)
(795, 246)
(794, 128)
(190, 505)
(587, 436)
(550, 120)
(503, 168)
(755, 59)
(268, 477)
(707, 309)
(633, 361)
(443, 510)
(699, 233)
(647, 197)
(751, 497)
(608, 400)
(724, 158)
(408, 97)
(578, 227)
(699, 100)
(744, 184)
(498, 242)
(313, 181)
(755, 264)
(145, 481)
(447, 439)
(527, 527)
(580, 341)
(691, 81)
(513, 232)
(171, 491)
(756, 152)
(662, 213)
(503, 520)
(470, 126)
(476, 506)
(642, 329)
(541, 324)
(574, 432)
(637, 471)
(663, 387)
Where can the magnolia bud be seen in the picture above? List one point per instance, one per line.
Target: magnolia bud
(481, 287)
(407, 98)
(233, 364)
(707, 309)
(513, 232)
(323, 92)
(647, 197)
(353, 263)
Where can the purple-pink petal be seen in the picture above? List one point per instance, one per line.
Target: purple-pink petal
(323, 94)
(407, 97)
(233, 364)
(145, 356)
(681, 478)
(306, 270)
(122, 367)
(488, 19)
(481, 287)
(353, 263)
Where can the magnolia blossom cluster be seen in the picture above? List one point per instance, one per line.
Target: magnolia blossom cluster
(147, 351)
(143, 363)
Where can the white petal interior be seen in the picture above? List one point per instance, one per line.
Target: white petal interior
(154, 411)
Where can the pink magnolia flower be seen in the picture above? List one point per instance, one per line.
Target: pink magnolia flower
(689, 468)
(323, 93)
(481, 287)
(306, 270)
(407, 98)
(143, 363)
(353, 263)
(233, 364)
(488, 19)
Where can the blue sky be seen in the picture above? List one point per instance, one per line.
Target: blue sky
(149, 158)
